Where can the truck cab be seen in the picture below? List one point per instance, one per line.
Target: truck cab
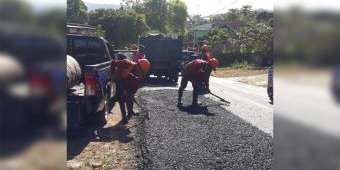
(91, 99)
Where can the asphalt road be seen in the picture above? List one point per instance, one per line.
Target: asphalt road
(250, 103)
(212, 136)
(307, 126)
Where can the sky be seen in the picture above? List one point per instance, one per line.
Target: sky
(208, 7)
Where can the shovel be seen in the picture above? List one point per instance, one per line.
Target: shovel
(143, 110)
(221, 99)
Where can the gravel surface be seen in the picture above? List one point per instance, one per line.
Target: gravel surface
(207, 137)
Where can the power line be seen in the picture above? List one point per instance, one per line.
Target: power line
(222, 8)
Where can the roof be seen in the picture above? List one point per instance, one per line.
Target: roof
(233, 25)
(72, 25)
(203, 27)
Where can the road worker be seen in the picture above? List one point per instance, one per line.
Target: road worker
(205, 55)
(128, 76)
(139, 54)
(197, 72)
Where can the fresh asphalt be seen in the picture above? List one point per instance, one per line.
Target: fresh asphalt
(210, 136)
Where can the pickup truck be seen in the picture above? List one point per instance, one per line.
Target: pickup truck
(90, 97)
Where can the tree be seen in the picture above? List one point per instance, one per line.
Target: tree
(233, 14)
(156, 14)
(16, 10)
(245, 11)
(216, 36)
(122, 26)
(76, 12)
(136, 5)
(264, 16)
(177, 16)
(100, 32)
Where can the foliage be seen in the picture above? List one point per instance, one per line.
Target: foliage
(246, 32)
(216, 36)
(122, 26)
(242, 64)
(157, 15)
(76, 12)
(15, 10)
(99, 31)
(177, 16)
(136, 5)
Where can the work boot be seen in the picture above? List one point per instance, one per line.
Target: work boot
(123, 111)
(129, 106)
(194, 97)
(180, 94)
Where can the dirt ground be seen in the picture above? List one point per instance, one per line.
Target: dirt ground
(109, 147)
(228, 72)
(255, 77)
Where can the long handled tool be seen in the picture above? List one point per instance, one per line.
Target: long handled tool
(143, 110)
(220, 98)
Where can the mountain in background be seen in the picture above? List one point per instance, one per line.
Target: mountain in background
(93, 6)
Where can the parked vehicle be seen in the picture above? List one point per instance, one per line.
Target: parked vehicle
(187, 56)
(270, 91)
(31, 79)
(164, 54)
(90, 100)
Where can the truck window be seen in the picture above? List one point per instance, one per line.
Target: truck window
(110, 48)
(95, 49)
(80, 47)
(69, 46)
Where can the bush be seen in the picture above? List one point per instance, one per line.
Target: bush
(242, 64)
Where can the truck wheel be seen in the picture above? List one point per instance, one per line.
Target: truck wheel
(176, 79)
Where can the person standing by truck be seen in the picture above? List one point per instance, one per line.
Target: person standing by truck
(205, 55)
(197, 72)
(140, 54)
(129, 75)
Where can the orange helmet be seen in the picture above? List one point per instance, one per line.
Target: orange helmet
(205, 47)
(133, 46)
(144, 64)
(214, 63)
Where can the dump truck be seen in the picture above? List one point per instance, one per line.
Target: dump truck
(164, 54)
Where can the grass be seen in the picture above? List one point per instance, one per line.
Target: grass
(239, 69)
(242, 65)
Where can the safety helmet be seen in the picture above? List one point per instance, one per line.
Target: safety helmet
(205, 47)
(144, 64)
(133, 46)
(214, 63)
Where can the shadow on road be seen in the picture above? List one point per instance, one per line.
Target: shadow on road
(196, 110)
(78, 139)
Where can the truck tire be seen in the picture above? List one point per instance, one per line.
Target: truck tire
(176, 79)
(73, 72)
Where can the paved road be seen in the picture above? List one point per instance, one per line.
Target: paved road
(250, 103)
(238, 136)
(307, 126)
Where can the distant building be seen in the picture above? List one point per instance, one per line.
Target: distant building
(233, 27)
